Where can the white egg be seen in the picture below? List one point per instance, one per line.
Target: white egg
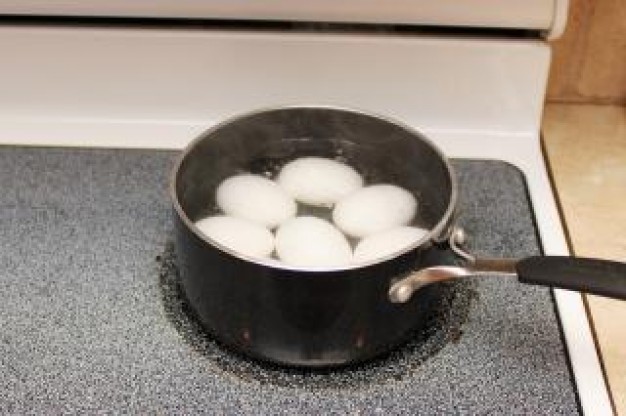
(374, 209)
(255, 198)
(312, 242)
(387, 243)
(242, 236)
(318, 181)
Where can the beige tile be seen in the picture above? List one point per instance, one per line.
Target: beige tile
(608, 316)
(569, 51)
(589, 60)
(603, 72)
(586, 146)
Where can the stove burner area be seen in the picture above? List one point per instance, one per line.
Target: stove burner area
(444, 326)
(91, 323)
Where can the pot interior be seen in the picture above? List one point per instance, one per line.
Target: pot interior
(262, 142)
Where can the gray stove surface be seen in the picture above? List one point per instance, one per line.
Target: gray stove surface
(92, 320)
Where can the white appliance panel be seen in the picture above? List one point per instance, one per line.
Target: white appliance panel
(199, 77)
(529, 14)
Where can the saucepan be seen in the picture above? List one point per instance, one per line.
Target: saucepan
(336, 316)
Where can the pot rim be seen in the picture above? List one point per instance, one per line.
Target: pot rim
(436, 234)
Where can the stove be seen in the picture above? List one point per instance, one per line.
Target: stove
(95, 320)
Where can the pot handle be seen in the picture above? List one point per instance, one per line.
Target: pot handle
(600, 277)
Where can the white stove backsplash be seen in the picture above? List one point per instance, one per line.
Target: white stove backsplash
(133, 79)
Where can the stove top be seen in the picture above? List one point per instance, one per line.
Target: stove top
(93, 319)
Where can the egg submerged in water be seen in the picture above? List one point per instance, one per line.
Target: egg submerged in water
(312, 242)
(386, 243)
(318, 181)
(374, 209)
(255, 198)
(241, 236)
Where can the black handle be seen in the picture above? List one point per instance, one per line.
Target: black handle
(600, 277)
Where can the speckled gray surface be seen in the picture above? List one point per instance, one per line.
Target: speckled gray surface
(89, 321)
